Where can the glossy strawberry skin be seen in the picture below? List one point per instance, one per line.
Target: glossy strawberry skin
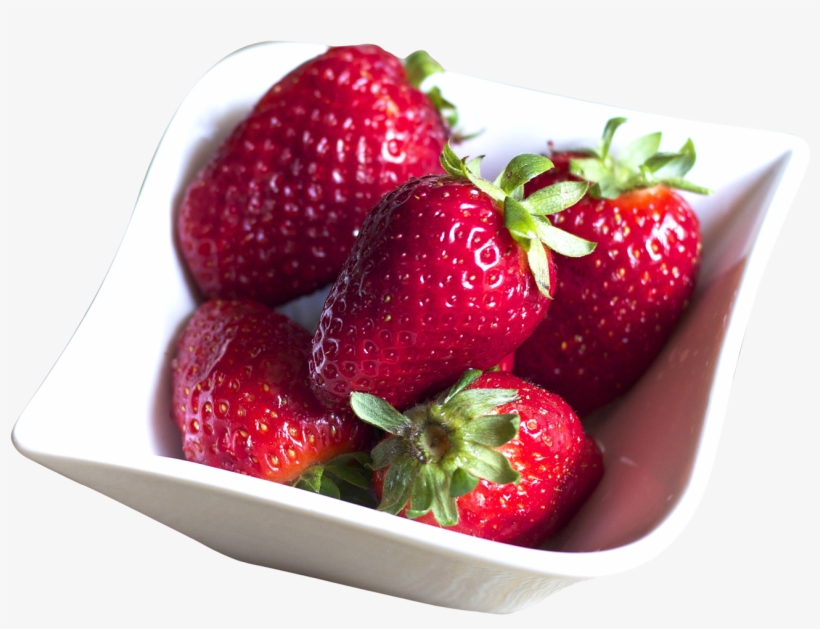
(241, 398)
(614, 309)
(434, 284)
(560, 467)
(275, 212)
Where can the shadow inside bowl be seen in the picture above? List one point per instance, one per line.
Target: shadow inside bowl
(651, 437)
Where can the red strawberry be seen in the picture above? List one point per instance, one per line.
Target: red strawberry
(494, 457)
(448, 272)
(274, 213)
(241, 397)
(614, 310)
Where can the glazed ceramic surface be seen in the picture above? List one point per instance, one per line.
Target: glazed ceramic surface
(659, 440)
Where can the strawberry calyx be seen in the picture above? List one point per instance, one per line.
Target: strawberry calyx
(438, 450)
(639, 165)
(345, 477)
(419, 65)
(526, 218)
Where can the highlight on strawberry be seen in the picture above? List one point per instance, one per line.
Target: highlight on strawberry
(493, 456)
(615, 309)
(272, 216)
(449, 272)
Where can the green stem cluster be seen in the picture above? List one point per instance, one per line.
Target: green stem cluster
(526, 218)
(639, 165)
(439, 450)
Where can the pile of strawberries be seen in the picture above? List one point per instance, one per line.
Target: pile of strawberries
(468, 321)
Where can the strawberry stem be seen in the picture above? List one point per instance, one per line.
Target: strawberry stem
(525, 218)
(639, 165)
(419, 66)
(442, 448)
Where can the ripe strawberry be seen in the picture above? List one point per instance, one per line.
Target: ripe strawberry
(274, 213)
(242, 402)
(614, 309)
(438, 281)
(494, 457)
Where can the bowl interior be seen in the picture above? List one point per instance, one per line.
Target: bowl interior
(652, 438)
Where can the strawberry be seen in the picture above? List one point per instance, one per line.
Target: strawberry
(449, 272)
(494, 457)
(615, 309)
(274, 213)
(242, 402)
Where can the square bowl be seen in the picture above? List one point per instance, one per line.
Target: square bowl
(659, 440)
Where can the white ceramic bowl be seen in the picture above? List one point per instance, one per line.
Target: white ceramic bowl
(659, 440)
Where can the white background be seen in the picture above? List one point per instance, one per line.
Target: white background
(87, 91)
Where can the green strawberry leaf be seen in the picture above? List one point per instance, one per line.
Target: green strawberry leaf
(474, 165)
(311, 479)
(419, 65)
(672, 165)
(329, 488)
(398, 484)
(469, 376)
(444, 505)
(447, 109)
(344, 477)
(563, 242)
(478, 402)
(357, 496)
(539, 264)
(421, 499)
(451, 163)
(362, 458)
(590, 169)
(386, 452)
(377, 412)
(354, 476)
(456, 167)
(607, 188)
(521, 170)
(492, 430)
(518, 220)
(489, 464)
(638, 151)
(491, 190)
(462, 483)
(688, 186)
(609, 132)
(555, 198)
